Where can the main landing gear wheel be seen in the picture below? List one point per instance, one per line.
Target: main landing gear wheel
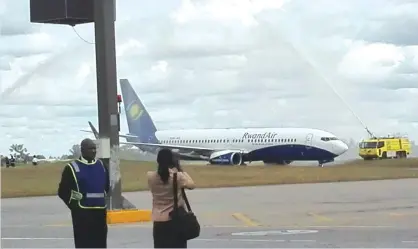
(320, 164)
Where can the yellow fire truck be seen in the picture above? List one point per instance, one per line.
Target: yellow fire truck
(384, 147)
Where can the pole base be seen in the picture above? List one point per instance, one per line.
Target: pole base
(128, 216)
(126, 204)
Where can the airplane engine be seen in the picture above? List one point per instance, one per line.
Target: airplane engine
(226, 158)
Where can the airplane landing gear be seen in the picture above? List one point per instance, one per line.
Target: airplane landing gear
(321, 162)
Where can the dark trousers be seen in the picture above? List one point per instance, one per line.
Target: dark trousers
(89, 228)
(164, 236)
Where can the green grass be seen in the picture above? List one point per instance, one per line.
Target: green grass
(43, 180)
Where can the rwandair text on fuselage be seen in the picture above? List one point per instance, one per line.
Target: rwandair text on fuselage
(265, 135)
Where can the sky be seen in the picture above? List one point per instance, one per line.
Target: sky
(333, 65)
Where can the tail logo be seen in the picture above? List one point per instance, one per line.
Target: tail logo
(135, 111)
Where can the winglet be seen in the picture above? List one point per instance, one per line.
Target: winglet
(93, 129)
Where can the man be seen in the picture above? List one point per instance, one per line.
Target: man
(12, 161)
(7, 161)
(34, 160)
(84, 184)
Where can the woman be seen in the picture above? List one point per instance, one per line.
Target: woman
(160, 183)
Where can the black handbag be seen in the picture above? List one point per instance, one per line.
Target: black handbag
(186, 225)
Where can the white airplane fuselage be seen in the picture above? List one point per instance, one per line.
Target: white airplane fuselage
(262, 144)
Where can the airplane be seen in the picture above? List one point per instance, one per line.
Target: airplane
(228, 146)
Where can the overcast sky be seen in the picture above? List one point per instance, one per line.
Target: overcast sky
(217, 63)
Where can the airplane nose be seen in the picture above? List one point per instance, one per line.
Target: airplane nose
(342, 147)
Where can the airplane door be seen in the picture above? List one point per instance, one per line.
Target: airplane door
(308, 142)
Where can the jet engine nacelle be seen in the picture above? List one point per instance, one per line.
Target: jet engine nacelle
(226, 157)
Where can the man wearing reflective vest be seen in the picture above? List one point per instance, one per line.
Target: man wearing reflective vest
(83, 187)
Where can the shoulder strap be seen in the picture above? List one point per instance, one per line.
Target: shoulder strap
(175, 192)
(102, 164)
(75, 166)
(183, 193)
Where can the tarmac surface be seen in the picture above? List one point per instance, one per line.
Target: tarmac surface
(368, 214)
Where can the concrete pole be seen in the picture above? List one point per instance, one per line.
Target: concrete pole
(107, 95)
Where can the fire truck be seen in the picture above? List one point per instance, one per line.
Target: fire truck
(384, 148)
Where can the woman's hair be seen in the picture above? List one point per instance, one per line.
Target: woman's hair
(165, 161)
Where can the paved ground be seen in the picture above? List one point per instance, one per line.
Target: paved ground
(355, 214)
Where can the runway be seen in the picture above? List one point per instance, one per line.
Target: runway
(353, 214)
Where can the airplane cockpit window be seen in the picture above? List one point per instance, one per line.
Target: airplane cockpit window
(326, 139)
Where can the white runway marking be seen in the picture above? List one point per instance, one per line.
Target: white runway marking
(281, 232)
(35, 238)
(350, 226)
(257, 240)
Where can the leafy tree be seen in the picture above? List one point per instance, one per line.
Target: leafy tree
(75, 151)
(19, 150)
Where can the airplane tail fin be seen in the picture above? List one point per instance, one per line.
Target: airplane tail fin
(139, 121)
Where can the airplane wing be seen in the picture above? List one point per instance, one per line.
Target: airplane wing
(120, 135)
(199, 150)
(192, 150)
(96, 133)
